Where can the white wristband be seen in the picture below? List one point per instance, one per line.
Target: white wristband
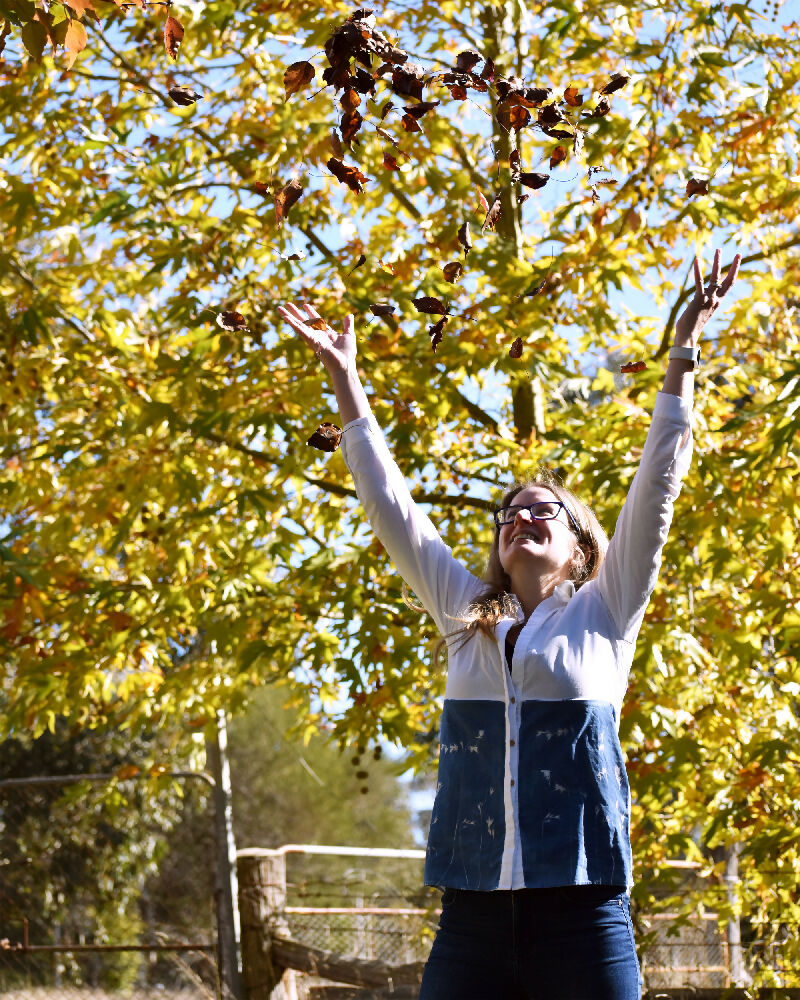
(686, 354)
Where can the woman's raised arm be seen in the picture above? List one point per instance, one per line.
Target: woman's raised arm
(337, 352)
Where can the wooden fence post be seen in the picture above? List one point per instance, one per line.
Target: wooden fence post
(262, 904)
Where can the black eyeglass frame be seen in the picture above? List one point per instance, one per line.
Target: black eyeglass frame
(516, 507)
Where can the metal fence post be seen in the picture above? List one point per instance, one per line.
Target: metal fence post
(227, 891)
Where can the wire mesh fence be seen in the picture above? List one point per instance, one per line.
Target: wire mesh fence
(107, 888)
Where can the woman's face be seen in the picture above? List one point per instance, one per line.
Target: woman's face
(528, 545)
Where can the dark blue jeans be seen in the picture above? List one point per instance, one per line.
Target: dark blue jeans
(570, 943)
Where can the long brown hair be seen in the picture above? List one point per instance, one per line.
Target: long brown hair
(497, 601)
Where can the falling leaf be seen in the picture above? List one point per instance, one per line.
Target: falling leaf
(514, 164)
(550, 115)
(453, 271)
(408, 81)
(74, 41)
(326, 437)
(435, 333)
(512, 116)
(558, 155)
(633, 366)
(535, 289)
(431, 305)
(418, 110)
(349, 125)
(695, 186)
(457, 92)
(577, 145)
(484, 203)
(261, 188)
(410, 124)
(493, 215)
(389, 162)
(534, 181)
(467, 60)
(573, 97)
(487, 73)
(388, 268)
(173, 36)
(336, 144)
(285, 198)
(351, 176)
(381, 308)
(231, 320)
(617, 81)
(515, 351)
(184, 96)
(359, 263)
(297, 76)
(464, 238)
(350, 99)
(602, 109)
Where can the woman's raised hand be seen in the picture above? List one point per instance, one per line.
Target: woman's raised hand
(337, 351)
(705, 301)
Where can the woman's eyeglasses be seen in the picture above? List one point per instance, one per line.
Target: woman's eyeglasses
(543, 510)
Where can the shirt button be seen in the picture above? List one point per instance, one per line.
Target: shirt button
(513, 743)
(513, 700)
(512, 781)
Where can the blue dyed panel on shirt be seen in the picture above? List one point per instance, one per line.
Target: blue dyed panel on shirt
(573, 795)
(465, 843)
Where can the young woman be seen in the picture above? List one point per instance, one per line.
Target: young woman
(529, 836)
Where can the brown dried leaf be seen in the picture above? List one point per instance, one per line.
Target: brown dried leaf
(381, 308)
(231, 320)
(492, 216)
(515, 351)
(350, 99)
(362, 259)
(533, 180)
(457, 92)
(435, 333)
(389, 138)
(173, 36)
(558, 155)
(336, 144)
(389, 162)
(410, 124)
(326, 437)
(514, 165)
(602, 109)
(351, 176)
(429, 304)
(285, 198)
(408, 81)
(418, 110)
(573, 97)
(453, 271)
(464, 238)
(617, 81)
(535, 289)
(696, 186)
(487, 73)
(349, 125)
(317, 324)
(261, 188)
(297, 76)
(550, 115)
(467, 60)
(184, 96)
(633, 366)
(512, 116)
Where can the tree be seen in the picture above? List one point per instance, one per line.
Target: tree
(173, 542)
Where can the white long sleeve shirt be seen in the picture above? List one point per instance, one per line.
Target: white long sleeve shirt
(532, 790)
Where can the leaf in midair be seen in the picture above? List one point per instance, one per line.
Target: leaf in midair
(285, 198)
(550, 115)
(410, 124)
(617, 81)
(457, 92)
(696, 186)
(515, 351)
(533, 180)
(453, 271)
(467, 60)
(389, 162)
(184, 96)
(512, 116)
(381, 308)
(231, 320)
(464, 238)
(573, 97)
(351, 176)
(435, 333)
(514, 165)
(493, 215)
(326, 437)
(418, 110)
(487, 73)
(173, 36)
(535, 289)
(408, 81)
(349, 125)
(261, 188)
(389, 138)
(336, 144)
(74, 41)
(602, 109)
(350, 99)
(484, 203)
(558, 155)
(633, 366)
(298, 76)
(362, 259)
(429, 304)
